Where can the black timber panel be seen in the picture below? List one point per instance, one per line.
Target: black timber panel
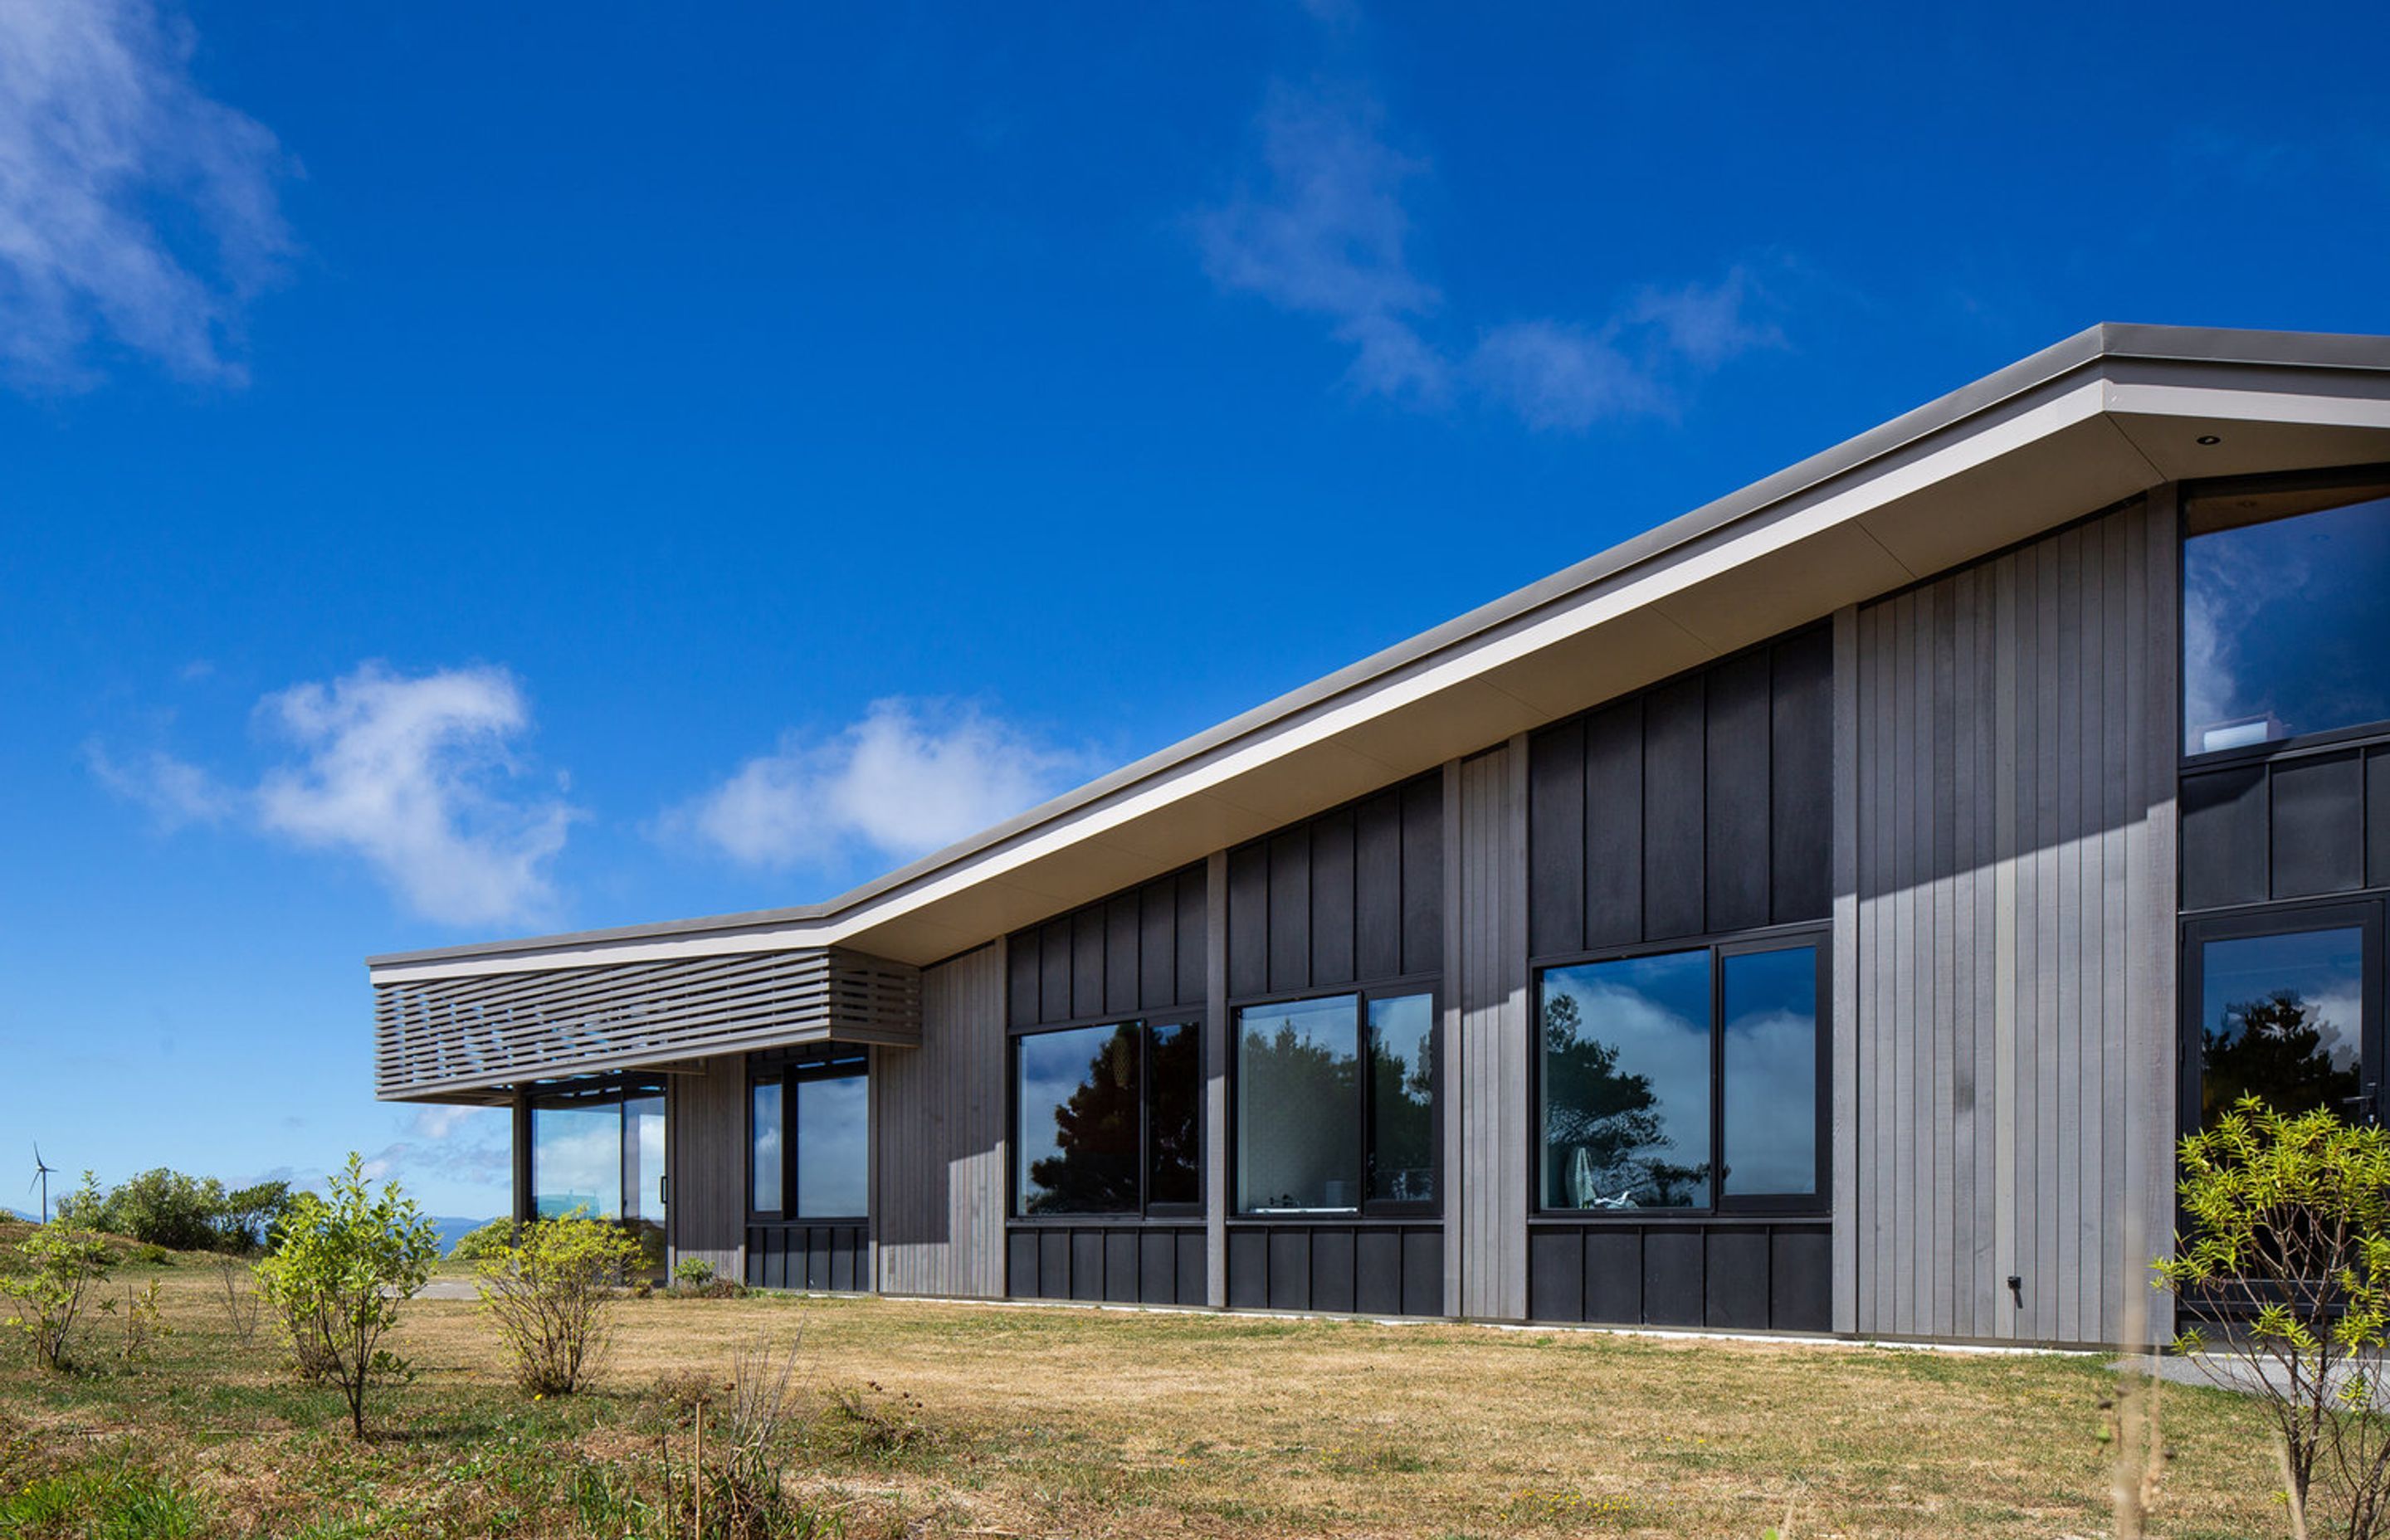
(1194, 926)
(1053, 1265)
(1355, 895)
(1736, 1269)
(1157, 1266)
(2318, 807)
(1332, 898)
(1193, 1284)
(1023, 988)
(2377, 819)
(1123, 982)
(1331, 1270)
(1801, 824)
(1801, 1281)
(1122, 1266)
(1735, 834)
(1086, 964)
(1021, 1266)
(1248, 1269)
(1423, 1270)
(1556, 1275)
(2224, 837)
(1377, 1272)
(1378, 887)
(1675, 1292)
(1424, 875)
(1674, 718)
(1086, 1264)
(1614, 1276)
(1555, 857)
(1612, 862)
(1290, 1268)
(1157, 948)
(1054, 974)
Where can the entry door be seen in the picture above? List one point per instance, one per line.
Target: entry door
(2285, 1004)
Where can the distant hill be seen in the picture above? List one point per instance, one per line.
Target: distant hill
(453, 1230)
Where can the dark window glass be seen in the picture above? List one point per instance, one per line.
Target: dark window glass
(833, 1146)
(1077, 1096)
(1402, 1100)
(2285, 616)
(764, 1159)
(576, 1156)
(1174, 1136)
(643, 1155)
(1627, 1083)
(1769, 1120)
(2283, 1018)
(1298, 1108)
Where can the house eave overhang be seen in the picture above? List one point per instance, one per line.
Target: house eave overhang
(2100, 417)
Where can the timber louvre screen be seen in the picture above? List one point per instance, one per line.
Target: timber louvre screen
(446, 1036)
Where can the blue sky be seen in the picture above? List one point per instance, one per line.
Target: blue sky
(473, 472)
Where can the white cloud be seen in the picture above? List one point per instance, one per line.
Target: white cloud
(473, 1144)
(415, 774)
(1326, 233)
(909, 777)
(131, 205)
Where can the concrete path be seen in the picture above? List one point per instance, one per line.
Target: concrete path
(2237, 1374)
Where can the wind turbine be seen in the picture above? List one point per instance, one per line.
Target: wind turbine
(42, 1170)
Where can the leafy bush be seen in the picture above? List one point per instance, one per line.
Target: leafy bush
(164, 1208)
(484, 1242)
(341, 1267)
(2284, 1273)
(548, 1293)
(693, 1272)
(65, 1263)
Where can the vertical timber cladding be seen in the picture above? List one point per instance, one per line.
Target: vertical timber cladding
(939, 1140)
(1138, 953)
(1700, 807)
(2013, 799)
(1496, 1115)
(1352, 898)
(706, 1124)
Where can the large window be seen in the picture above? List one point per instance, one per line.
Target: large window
(2277, 1004)
(597, 1146)
(809, 1132)
(2285, 613)
(1107, 1119)
(1317, 1135)
(1682, 1080)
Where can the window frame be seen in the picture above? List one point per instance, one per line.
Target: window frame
(2354, 479)
(1816, 936)
(1412, 1210)
(827, 1063)
(2334, 912)
(1143, 1024)
(613, 1091)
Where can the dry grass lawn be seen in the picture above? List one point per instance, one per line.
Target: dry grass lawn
(997, 1420)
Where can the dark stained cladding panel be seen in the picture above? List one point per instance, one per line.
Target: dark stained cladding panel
(1140, 950)
(2301, 825)
(1351, 896)
(1697, 807)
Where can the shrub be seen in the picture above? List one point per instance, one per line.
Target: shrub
(744, 1495)
(165, 1210)
(548, 1293)
(692, 1271)
(341, 1267)
(247, 1215)
(65, 1264)
(483, 1241)
(2284, 1273)
(240, 1305)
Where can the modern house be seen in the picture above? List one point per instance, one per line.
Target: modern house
(1821, 914)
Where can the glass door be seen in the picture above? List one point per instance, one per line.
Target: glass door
(643, 1187)
(2284, 1005)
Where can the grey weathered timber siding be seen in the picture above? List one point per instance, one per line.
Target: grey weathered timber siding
(938, 1137)
(1496, 1116)
(2012, 781)
(705, 1158)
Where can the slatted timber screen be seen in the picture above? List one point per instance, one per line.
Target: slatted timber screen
(445, 1036)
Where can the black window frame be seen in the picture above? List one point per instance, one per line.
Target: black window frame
(1143, 1024)
(1817, 936)
(840, 1061)
(1429, 984)
(2356, 479)
(614, 1091)
(2364, 913)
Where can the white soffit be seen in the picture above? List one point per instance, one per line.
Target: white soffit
(2089, 431)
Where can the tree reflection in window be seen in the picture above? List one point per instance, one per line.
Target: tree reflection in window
(1298, 1111)
(1627, 1083)
(1078, 1120)
(2282, 1021)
